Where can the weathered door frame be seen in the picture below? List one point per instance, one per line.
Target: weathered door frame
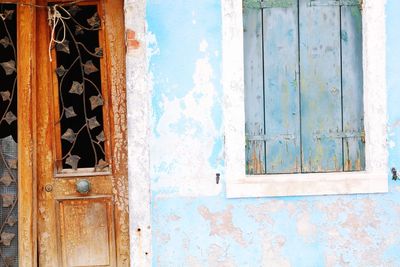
(28, 82)
(26, 64)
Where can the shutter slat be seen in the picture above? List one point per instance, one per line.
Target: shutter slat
(320, 67)
(269, 3)
(281, 85)
(352, 80)
(254, 97)
(335, 3)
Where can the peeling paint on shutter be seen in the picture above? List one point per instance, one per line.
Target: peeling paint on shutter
(335, 2)
(269, 3)
(253, 54)
(281, 85)
(352, 82)
(309, 83)
(320, 68)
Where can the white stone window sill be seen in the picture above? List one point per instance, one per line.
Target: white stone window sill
(306, 184)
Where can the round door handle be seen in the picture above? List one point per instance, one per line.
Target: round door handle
(83, 186)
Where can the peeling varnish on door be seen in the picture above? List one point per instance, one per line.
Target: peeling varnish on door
(119, 128)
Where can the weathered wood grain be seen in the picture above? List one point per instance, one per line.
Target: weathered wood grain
(281, 87)
(320, 65)
(27, 232)
(254, 84)
(65, 227)
(352, 90)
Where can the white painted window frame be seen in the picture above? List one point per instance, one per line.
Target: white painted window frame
(375, 177)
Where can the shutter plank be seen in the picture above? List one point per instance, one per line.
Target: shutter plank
(320, 69)
(281, 83)
(351, 38)
(254, 95)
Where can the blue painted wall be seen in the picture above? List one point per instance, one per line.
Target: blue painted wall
(193, 223)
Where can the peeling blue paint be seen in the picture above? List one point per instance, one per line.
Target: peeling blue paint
(216, 159)
(190, 230)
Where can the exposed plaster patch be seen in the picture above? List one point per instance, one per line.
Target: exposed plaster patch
(203, 46)
(186, 137)
(354, 233)
(193, 262)
(305, 228)
(272, 251)
(131, 41)
(173, 218)
(138, 109)
(164, 238)
(218, 256)
(152, 46)
(221, 224)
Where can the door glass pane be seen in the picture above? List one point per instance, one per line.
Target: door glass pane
(78, 55)
(8, 137)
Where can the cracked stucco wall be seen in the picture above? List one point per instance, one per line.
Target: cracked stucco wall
(175, 117)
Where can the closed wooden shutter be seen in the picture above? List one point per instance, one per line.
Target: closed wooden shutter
(303, 83)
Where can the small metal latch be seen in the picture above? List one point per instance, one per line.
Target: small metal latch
(48, 188)
(394, 174)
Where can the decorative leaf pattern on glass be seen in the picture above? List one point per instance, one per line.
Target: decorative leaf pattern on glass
(12, 163)
(93, 123)
(80, 88)
(63, 47)
(8, 200)
(95, 101)
(8, 137)
(89, 67)
(94, 21)
(10, 117)
(5, 42)
(61, 71)
(70, 112)
(11, 221)
(73, 10)
(6, 179)
(7, 14)
(102, 164)
(5, 95)
(6, 238)
(98, 51)
(9, 67)
(69, 135)
(79, 30)
(73, 161)
(101, 137)
(76, 88)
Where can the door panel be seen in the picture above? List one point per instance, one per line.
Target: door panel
(79, 139)
(87, 232)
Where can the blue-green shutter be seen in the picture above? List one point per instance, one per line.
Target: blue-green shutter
(304, 109)
(352, 81)
(320, 83)
(281, 87)
(254, 97)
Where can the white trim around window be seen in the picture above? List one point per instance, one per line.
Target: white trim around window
(373, 180)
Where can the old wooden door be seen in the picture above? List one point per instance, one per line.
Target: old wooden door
(81, 134)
